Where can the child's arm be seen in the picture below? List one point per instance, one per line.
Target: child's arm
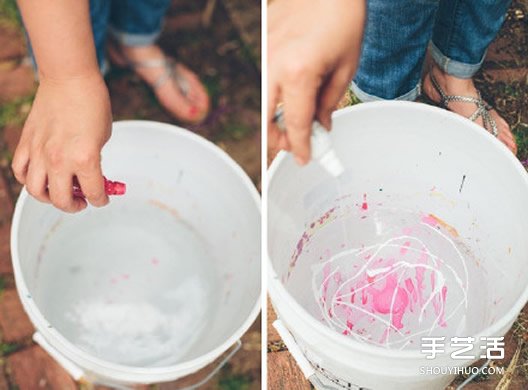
(313, 52)
(70, 119)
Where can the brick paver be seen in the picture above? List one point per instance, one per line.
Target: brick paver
(3, 380)
(6, 210)
(11, 136)
(284, 374)
(16, 82)
(6, 203)
(33, 369)
(5, 256)
(12, 43)
(16, 73)
(14, 323)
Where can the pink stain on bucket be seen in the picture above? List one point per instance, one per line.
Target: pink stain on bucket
(392, 299)
(395, 292)
(364, 205)
(386, 292)
(439, 307)
(405, 248)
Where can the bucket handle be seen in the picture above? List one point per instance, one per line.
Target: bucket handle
(234, 349)
(308, 370)
(75, 371)
(303, 363)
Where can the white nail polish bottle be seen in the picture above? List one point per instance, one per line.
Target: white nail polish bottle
(323, 152)
(321, 145)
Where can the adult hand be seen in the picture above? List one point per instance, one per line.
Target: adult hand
(69, 123)
(313, 52)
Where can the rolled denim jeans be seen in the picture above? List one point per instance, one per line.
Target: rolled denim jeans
(129, 22)
(398, 33)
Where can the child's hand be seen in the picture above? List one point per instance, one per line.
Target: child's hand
(68, 125)
(313, 51)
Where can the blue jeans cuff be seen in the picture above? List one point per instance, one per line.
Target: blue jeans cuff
(128, 39)
(365, 97)
(453, 67)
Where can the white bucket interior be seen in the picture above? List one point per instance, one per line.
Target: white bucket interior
(164, 275)
(388, 277)
(416, 177)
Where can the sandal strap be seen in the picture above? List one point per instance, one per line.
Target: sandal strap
(155, 63)
(489, 122)
(172, 73)
(483, 108)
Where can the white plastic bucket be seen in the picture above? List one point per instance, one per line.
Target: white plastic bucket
(403, 160)
(160, 282)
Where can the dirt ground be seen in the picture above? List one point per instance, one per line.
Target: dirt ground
(223, 47)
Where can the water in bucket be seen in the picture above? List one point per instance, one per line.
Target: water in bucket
(387, 276)
(131, 293)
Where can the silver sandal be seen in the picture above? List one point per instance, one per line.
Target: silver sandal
(483, 108)
(171, 73)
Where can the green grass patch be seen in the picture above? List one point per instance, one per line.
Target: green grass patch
(521, 137)
(212, 85)
(7, 348)
(15, 112)
(2, 284)
(235, 382)
(9, 13)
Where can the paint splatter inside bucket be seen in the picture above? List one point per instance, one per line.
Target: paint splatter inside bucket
(395, 277)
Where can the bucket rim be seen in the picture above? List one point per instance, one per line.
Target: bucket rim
(280, 294)
(116, 371)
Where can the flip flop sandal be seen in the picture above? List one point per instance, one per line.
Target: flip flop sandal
(483, 108)
(171, 73)
(170, 66)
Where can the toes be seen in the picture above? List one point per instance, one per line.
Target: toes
(193, 107)
(509, 140)
(505, 134)
(198, 94)
(510, 144)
